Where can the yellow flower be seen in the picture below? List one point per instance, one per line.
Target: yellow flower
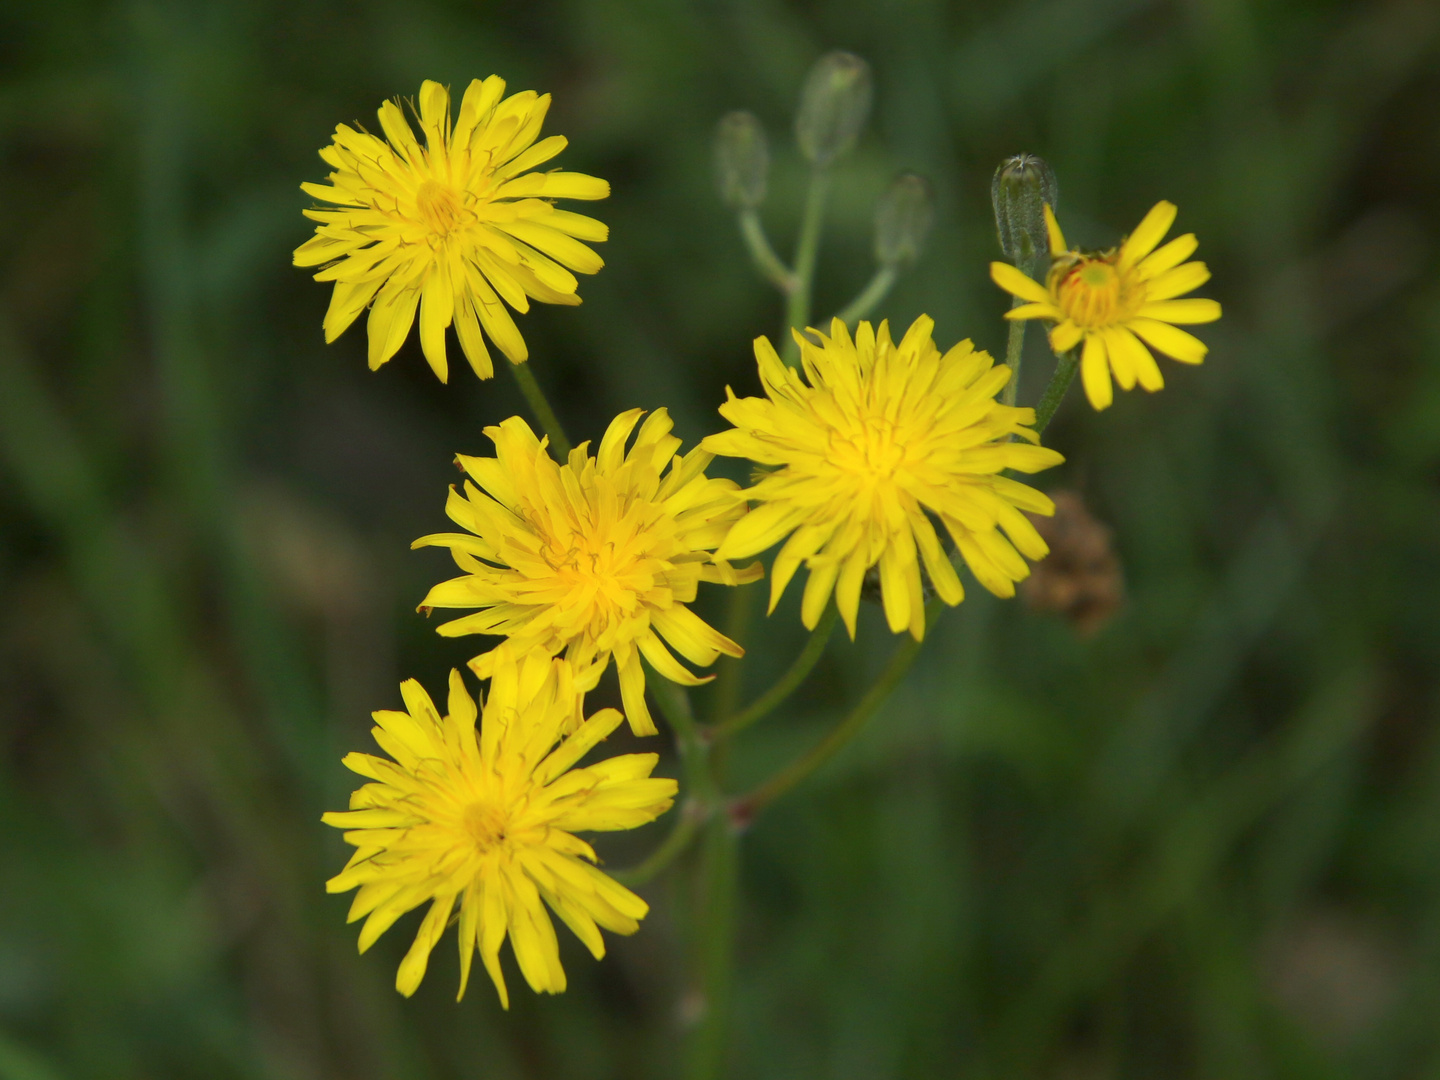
(1118, 302)
(883, 437)
(452, 227)
(486, 821)
(596, 558)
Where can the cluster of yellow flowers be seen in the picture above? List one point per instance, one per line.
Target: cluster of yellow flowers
(862, 451)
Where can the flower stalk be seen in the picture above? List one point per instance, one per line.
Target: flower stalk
(868, 298)
(743, 810)
(807, 251)
(1014, 355)
(772, 268)
(540, 409)
(786, 685)
(1065, 367)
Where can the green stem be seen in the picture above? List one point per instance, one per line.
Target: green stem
(766, 261)
(786, 685)
(700, 792)
(674, 705)
(717, 886)
(744, 808)
(535, 398)
(1065, 367)
(715, 882)
(693, 813)
(797, 310)
(878, 288)
(728, 681)
(1014, 351)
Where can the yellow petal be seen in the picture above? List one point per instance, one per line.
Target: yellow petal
(1034, 311)
(761, 528)
(1168, 256)
(1194, 310)
(817, 593)
(1065, 336)
(1177, 282)
(1147, 234)
(1122, 343)
(632, 695)
(390, 320)
(1013, 281)
(472, 342)
(1052, 227)
(1184, 347)
(1095, 373)
(894, 590)
(437, 308)
(412, 968)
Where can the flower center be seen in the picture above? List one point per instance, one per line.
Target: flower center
(440, 208)
(486, 824)
(601, 572)
(870, 452)
(1094, 294)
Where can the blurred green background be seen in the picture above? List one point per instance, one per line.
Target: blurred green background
(1202, 842)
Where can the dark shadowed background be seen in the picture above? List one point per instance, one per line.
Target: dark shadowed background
(1203, 841)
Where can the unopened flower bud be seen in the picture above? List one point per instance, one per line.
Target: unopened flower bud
(742, 160)
(833, 107)
(1022, 188)
(902, 220)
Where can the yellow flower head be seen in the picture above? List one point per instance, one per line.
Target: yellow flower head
(596, 558)
(452, 227)
(1118, 302)
(882, 437)
(485, 820)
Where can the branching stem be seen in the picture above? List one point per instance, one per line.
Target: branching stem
(770, 265)
(786, 684)
(742, 810)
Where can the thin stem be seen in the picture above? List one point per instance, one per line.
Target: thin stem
(787, 683)
(807, 249)
(1014, 351)
(766, 261)
(535, 398)
(700, 794)
(728, 681)
(717, 885)
(674, 705)
(693, 813)
(1065, 367)
(876, 290)
(744, 808)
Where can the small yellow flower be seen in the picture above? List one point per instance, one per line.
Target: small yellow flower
(881, 438)
(485, 821)
(596, 558)
(1118, 302)
(452, 227)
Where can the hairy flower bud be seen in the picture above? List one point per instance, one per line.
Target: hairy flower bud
(1022, 188)
(833, 107)
(902, 220)
(742, 160)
